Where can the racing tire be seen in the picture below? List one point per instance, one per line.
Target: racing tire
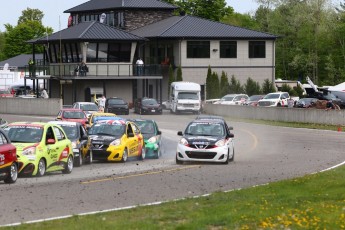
(279, 105)
(79, 160)
(124, 155)
(12, 175)
(178, 161)
(227, 158)
(69, 166)
(41, 168)
(143, 154)
(233, 156)
(90, 158)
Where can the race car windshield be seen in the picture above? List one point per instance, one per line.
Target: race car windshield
(146, 127)
(107, 129)
(205, 129)
(24, 134)
(71, 131)
(89, 107)
(191, 96)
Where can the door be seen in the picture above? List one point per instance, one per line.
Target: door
(132, 141)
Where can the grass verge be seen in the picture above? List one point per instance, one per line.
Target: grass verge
(299, 203)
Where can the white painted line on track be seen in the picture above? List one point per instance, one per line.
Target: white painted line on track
(135, 206)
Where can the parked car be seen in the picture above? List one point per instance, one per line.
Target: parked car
(253, 100)
(76, 115)
(41, 148)
(147, 106)
(278, 99)
(76, 132)
(5, 93)
(233, 99)
(305, 102)
(206, 140)
(116, 105)
(116, 140)
(152, 137)
(88, 107)
(8, 159)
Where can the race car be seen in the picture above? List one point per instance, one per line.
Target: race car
(152, 137)
(116, 140)
(41, 147)
(76, 132)
(8, 160)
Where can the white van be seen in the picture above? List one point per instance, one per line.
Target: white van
(185, 97)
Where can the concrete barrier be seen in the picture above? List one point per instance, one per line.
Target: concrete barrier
(317, 116)
(30, 106)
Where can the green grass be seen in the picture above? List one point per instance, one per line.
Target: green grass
(299, 203)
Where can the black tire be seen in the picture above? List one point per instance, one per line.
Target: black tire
(233, 156)
(69, 166)
(143, 154)
(279, 105)
(124, 155)
(78, 161)
(227, 159)
(89, 158)
(41, 168)
(178, 161)
(12, 174)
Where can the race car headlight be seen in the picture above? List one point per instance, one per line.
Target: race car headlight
(183, 141)
(152, 140)
(116, 142)
(29, 151)
(220, 143)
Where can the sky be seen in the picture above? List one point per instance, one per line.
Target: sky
(54, 17)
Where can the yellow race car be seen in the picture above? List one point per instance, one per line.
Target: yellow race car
(41, 148)
(116, 140)
(99, 114)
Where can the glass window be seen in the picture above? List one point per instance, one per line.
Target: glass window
(198, 49)
(59, 135)
(257, 49)
(91, 54)
(102, 52)
(119, 52)
(2, 139)
(228, 49)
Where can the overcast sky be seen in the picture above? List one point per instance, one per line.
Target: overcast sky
(54, 17)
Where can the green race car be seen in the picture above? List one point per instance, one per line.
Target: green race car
(41, 148)
(152, 137)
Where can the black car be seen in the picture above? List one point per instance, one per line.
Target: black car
(147, 106)
(305, 102)
(116, 105)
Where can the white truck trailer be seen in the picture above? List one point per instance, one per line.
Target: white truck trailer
(185, 97)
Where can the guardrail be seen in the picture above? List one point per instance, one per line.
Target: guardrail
(315, 116)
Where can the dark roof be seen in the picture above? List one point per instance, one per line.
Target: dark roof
(20, 60)
(197, 28)
(90, 31)
(98, 5)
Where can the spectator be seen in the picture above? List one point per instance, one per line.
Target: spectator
(291, 103)
(31, 68)
(83, 69)
(101, 103)
(330, 105)
(140, 66)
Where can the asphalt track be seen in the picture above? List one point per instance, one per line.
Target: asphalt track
(263, 154)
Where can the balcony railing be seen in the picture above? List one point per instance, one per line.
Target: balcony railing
(99, 69)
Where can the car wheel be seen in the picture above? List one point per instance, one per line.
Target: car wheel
(279, 105)
(69, 166)
(79, 160)
(178, 161)
(233, 156)
(41, 167)
(227, 158)
(13, 174)
(90, 158)
(124, 155)
(143, 153)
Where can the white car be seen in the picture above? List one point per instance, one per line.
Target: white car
(206, 140)
(233, 99)
(88, 107)
(278, 99)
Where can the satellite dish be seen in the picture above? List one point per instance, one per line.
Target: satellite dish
(102, 18)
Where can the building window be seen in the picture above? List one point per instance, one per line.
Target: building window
(91, 55)
(119, 52)
(198, 49)
(257, 49)
(228, 49)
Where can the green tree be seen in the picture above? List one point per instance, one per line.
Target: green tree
(31, 15)
(224, 84)
(209, 83)
(2, 45)
(171, 78)
(252, 87)
(235, 85)
(179, 74)
(215, 85)
(268, 87)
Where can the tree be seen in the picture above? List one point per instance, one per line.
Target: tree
(171, 78)
(224, 84)
(209, 9)
(179, 74)
(268, 87)
(2, 44)
(31, 15)
(215, 85)
(252, 87)
(209, 83)
(235, 85)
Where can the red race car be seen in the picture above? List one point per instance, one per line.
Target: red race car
(8, 159)
(76, 115)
